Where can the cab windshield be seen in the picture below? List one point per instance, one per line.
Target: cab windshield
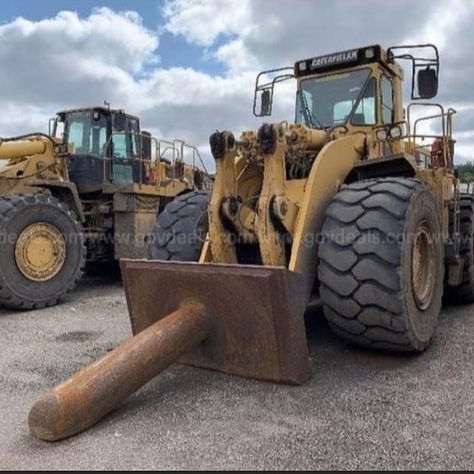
(336, 99)
(87, 131)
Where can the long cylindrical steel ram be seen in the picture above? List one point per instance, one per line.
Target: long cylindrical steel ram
(243, 320)
(97, 389)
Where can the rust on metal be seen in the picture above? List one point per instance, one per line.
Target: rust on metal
(239, 319)
(97, 389)
(256, 314)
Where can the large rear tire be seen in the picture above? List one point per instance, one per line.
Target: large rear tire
(382, 264)
(465, 291)
(181, 228)
(42, 251)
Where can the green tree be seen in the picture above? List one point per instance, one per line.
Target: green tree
(466, 172)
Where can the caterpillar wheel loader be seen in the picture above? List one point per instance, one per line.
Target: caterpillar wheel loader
(357, 202)
(88, 191)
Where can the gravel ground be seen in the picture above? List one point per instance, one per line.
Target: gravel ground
(361, 410)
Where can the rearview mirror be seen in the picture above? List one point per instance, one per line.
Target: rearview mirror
(427, 83)
(265, 103)
(424, 59)
(264, 85)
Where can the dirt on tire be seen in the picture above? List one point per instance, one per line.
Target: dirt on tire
(365, 264)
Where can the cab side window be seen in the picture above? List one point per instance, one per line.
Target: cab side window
(119, 140)
(76, 136)
(387, 100)
(365, 112)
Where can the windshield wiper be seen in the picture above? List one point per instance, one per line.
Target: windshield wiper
(309, 117)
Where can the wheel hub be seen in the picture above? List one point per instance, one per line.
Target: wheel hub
(40, 251)
(423, 266)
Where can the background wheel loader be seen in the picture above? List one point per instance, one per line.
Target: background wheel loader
(345, 204)
(87, 192)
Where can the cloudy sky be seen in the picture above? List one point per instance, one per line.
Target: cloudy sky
(187, 67)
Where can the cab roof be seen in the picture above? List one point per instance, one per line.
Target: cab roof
(100, 108)
(347, 59)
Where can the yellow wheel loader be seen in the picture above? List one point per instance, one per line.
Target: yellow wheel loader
(89, 191)
(356, 203)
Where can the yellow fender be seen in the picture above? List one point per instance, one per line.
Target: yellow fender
(329, 171)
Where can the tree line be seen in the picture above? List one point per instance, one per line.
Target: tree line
(466, 172)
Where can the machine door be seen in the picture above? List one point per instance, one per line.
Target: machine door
(87, 131)
(126, 165)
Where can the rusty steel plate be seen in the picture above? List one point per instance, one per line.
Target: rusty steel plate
(256, 312)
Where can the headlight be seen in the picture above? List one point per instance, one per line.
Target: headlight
(369, 53)
(396, 132)
(61, 149)
(381, 135)
(392, 133)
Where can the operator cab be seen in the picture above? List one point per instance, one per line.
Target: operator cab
(351, 89)
(354, 90)
(107, 146)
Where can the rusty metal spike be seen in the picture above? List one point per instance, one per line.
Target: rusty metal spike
(96, 390)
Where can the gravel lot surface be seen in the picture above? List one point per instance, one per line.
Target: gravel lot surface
(361, 410)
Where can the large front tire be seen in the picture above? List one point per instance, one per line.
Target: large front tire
(42, 251)
(181, 228)
(382, 264)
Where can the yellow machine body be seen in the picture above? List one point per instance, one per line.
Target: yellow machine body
(255, 193)
(29, 159)
(240, 308)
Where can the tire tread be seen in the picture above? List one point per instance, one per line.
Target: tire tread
(12, 204)
(369, 310)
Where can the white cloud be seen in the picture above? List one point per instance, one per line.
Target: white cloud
(203, 21)
(265, 37)
(236, 56)
(439, 32)
(18, 120)
(62, 59)
(118, 39)
(68, 60)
